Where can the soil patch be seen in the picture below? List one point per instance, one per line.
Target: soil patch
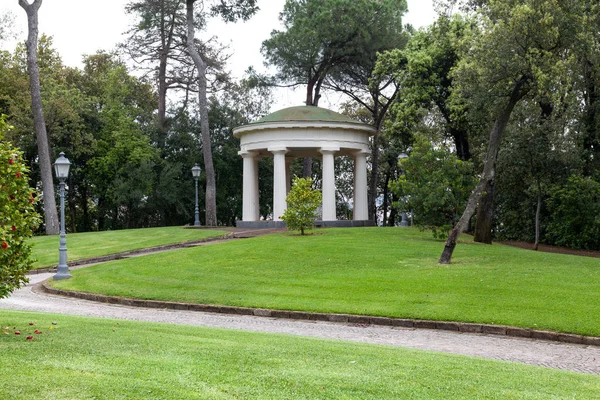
(552, 249)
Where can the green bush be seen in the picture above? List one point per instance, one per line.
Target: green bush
(435, 184)
(575, 215)
(17, 216)
(302, 204)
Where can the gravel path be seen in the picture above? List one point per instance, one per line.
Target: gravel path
(564, 356)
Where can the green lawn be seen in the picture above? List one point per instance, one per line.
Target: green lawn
(383, 272)
(95, 244)
(87, 358)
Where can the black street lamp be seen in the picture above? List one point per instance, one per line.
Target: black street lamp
(61, 168)
(196, 173)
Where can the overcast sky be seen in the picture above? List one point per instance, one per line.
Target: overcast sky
(80, 29)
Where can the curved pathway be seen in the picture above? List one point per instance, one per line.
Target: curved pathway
(572, 357)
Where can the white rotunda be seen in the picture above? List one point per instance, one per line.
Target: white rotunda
(304, 131)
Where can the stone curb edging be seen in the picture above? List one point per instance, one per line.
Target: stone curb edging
(463, 327)
(119, 256)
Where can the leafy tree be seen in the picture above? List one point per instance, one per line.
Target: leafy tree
(334, 44)
(123, 160)
(424, 70)
(575, 214)
(302, 204)
(435, 184)
(50, 212)
(18, 217)
(520, 53)
(230, 10)
(588, 53)
(539, 152)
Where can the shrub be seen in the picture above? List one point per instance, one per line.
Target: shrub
(17, 216)
(302, 204)
(435, 184)
(575, 215)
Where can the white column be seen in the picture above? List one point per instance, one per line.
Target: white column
(361, 208)
(250, 189)
(328, 188)
(279, 182)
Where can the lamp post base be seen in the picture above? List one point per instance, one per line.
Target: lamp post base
(404, 221)
(62, 273)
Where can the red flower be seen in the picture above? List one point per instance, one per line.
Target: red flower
(13, 227)
(4, 245)
(18, 175)
(10, 161)
(12, 197)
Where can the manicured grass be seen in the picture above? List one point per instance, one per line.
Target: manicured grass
(86, 358)
(95, 244)
(384, 272)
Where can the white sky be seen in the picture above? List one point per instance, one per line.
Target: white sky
(80, 29)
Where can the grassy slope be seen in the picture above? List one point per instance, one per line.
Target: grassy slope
(84, 358)
(387, 272)
(94, 244)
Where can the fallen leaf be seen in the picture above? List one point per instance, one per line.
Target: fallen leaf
(17, 333)
(29, 337)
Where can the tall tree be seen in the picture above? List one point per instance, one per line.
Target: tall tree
(357, 80)
(50, 212)
(588, 49)
(424, 69)
(211, 189)
(521, 52)
(157, 43)
(334, 44)
(230, 10)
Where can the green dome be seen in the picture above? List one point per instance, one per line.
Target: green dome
(305, 113)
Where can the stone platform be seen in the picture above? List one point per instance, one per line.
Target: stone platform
(318, 224)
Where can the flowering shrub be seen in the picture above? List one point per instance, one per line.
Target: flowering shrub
(302, 204)
(17, 216)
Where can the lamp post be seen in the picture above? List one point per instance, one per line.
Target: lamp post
(196, 174)
(404, 221)
(61, 168)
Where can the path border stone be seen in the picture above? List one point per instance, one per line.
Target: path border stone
(465, 327)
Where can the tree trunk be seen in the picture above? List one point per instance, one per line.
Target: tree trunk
(72, 203)
(306, 168)
(84, 208)
(101, 214)
(537, 214)
(372, 195)
(461, 142)
(312, 99)
(488, 171)
(485, 214)
(211, 192)
(50, 212)
(162, 100)
(386, 200)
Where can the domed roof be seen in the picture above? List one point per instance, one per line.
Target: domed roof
(306, 113)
